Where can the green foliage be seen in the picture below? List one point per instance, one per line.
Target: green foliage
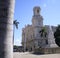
(43, 32)
(57, 35)
(16, 23)
(15, 46)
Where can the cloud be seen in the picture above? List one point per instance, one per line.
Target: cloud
(17, 42)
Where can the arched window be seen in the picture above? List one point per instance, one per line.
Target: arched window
(37, 11)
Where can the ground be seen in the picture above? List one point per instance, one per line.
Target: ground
(29, 55)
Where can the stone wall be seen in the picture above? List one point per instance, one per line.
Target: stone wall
(51, 50)
(47, 50)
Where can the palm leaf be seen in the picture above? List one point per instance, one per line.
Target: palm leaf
(16, 23)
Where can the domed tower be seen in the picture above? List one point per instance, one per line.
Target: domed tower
(36, 10)
(37, 24)
(37, 20)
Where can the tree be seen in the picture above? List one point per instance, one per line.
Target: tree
(15, 23)
(57, 35)
(6, 28)
(43, 32)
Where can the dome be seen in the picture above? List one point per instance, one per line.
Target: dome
(36, 10)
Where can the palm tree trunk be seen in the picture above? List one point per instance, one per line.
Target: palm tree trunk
(13, 34)
(6, 28)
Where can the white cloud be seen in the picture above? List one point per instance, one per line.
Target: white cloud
(17, 42)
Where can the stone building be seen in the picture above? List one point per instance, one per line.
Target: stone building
(31, 38)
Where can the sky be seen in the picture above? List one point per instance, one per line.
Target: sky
(23, 12)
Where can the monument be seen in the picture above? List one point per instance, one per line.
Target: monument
(31, 36)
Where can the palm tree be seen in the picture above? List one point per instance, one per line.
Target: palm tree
(43, 32)
(15, 23)
(6, 28)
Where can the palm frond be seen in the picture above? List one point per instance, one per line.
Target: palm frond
(43, 32)
(16, 23)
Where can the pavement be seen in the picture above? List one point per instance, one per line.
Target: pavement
(29, 55)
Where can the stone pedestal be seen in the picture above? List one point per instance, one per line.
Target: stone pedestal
(47, 50)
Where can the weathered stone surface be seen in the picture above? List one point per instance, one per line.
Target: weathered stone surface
(31, 34)
(47, 50)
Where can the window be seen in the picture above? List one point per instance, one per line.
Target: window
(46, 41)
(37, 11)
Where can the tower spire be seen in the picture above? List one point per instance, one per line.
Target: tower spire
(37, 19)
(36, 10)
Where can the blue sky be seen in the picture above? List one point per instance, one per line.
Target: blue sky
(50, 10)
